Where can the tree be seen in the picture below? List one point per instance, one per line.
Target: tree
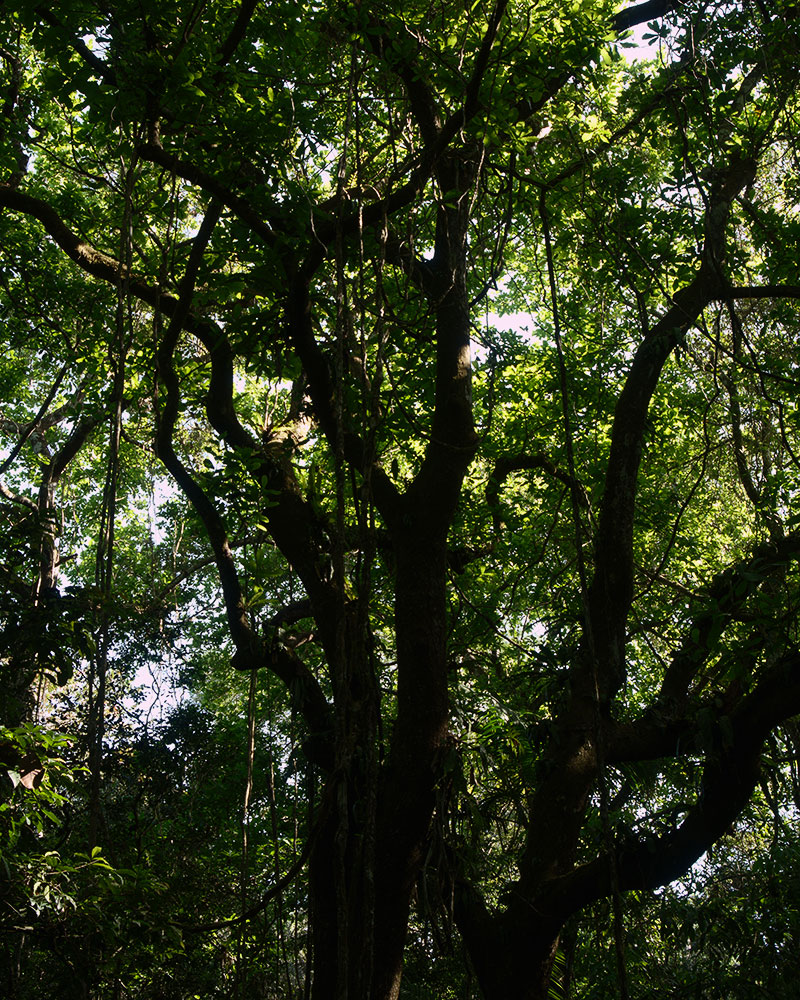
(533, 596)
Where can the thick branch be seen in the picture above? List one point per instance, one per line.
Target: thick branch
(399, 253)
(727, 594)
(453, 440)
(300, 334)
(611, 590)
(243, 17)
(288, 517)
(71, 447)
(729, 777)
(505, 465)
(654, 736)
(17, 498)
(309, 700)
(221, 191)
(423, 105)
(419, 171)
(642, 13)
(764, 292)
(245, 640)
(88, 258)
(51, 473)
(471, 102)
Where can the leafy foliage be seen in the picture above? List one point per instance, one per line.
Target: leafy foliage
(398, 492)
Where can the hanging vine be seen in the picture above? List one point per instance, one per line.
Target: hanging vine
(104, 555)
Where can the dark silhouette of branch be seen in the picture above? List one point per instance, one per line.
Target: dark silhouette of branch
(640, 13)
(243, 17)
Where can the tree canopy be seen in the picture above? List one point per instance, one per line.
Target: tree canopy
(399, 487)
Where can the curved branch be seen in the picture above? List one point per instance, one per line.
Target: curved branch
(309, 700)
(88, 258)
(471, 96)
(505, 465)
(156, 153)
(290, 518)
(17, 498)
(299, 333)
(423, 106)
(100, 67)
(611, 591)
(245, 640)
(729, 777)
(726, 595)
(251, 652)
(664, 730)
(330, 221)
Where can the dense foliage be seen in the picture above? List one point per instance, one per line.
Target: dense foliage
(399, 499)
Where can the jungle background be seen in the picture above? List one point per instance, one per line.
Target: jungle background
(399, 474)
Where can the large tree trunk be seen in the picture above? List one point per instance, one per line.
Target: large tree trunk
(407, 793)
(370, 849)
(513, 953)
(367, 914)
(342, 865)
